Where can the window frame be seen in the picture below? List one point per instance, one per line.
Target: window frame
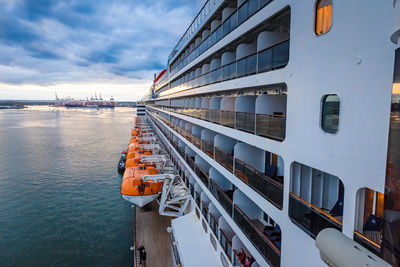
(315, 19)
(321, 117)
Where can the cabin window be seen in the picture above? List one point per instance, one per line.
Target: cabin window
(330, 113)
(323, 16)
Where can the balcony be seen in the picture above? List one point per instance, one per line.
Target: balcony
(213, 115)
(245, 121)
(196, 141)
(271, 126)
(222, 197)
(246, 66)
(309, 217)
(204, 210)
(270, 59)
(189, 161)
(207, 148)
(268, 187)
(371, 245)
(228, 72)
(224, 159)
(228, 118)
(197, 198)
(201, 174)
(265, 125)
(226, 244)
(213, 224)
(264, 245)
(246, 10)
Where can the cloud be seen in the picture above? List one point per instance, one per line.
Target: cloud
(50, 42)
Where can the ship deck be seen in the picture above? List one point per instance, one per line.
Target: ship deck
(151, 232)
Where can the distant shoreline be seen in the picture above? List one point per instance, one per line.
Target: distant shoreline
(9, 103)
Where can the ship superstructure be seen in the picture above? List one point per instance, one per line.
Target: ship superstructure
(278, 115)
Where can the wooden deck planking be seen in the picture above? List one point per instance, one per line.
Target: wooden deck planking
(151, 232)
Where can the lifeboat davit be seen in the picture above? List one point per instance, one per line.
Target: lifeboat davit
(135, 156)
(140, 185)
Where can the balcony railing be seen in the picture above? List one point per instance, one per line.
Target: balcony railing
(246, 66)
(226, 244)
(266, 247)
(245, 121)
(181, 151)
(197, 198)
(271, 58)
(189, 161)
(371, 245)
(222, 197)
(196, 141)
(273, 126)
(224, 158)
(266, 125)
(208, 148)
(214, 115)
(310, 218)
(201, 174)
(213, 224)
(228, 118)
(228, 71)
(245, 11)
(204, 210)
(266, 186)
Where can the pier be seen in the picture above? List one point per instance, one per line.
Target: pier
(151, 232)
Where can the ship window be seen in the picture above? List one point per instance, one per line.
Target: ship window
(323, 16)
(330, 113)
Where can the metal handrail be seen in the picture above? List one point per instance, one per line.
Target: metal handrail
(264, 237)
(270, 179)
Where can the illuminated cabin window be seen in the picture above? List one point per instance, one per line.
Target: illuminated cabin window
(330, 113)
(323, 16)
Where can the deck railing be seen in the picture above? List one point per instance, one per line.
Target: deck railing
(266, 186)
(221, 196)
(264, 245)
(310, 218)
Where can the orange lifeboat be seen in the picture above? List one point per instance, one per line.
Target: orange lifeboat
(137, 190)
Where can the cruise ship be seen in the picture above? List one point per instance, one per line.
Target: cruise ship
(282, 117)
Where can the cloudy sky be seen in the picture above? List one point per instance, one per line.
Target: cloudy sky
(78, 47)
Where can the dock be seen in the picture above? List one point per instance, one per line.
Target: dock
(151, 232)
